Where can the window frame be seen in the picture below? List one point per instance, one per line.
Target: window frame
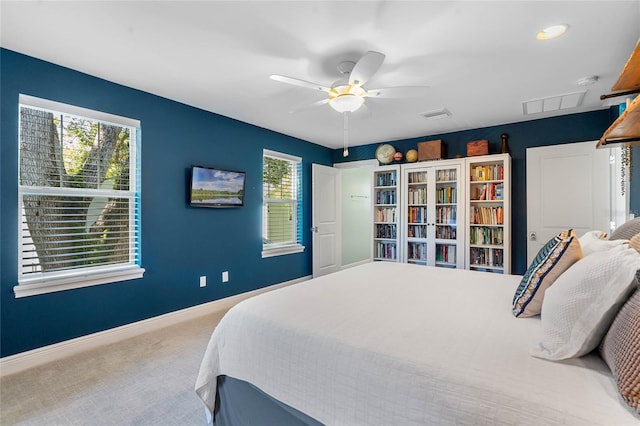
(280, 249)
(53, 281)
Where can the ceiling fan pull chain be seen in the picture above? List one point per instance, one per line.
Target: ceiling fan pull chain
(345, 152)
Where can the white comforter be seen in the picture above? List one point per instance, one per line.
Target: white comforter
(398, 344)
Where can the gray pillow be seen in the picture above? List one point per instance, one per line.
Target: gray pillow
(620, 349)
(626, 230)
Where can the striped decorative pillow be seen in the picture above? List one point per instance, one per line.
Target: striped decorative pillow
(620, 349)
(553, 259)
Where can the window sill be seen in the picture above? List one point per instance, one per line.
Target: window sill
(281, 251)
(32, 286)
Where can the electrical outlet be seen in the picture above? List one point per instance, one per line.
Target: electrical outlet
(203, 281)
(225, 276)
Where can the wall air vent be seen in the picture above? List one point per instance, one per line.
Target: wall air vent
(439, 113)
(553, 103)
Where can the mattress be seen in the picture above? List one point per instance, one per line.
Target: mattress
(401, 344)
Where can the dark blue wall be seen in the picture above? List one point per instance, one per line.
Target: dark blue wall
(179, 243)
(550, 131)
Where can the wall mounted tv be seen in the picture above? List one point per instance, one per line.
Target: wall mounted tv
(216, 188)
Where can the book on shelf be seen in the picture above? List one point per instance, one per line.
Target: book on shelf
(417, 215)
(487, 215)
(446, 195)
(482, 235)
(490, 172)
(385, 214)
(446, 232)
(417, 196)
(418, 177)
(385, 231)
(483, 193)
(487, 257)
(385, 250)
(446, 253)
(386, 179)
(446, 175)
(387, 196)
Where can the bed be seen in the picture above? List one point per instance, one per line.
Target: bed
(397, 344)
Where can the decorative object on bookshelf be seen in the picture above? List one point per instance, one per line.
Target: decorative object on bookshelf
(385, 153)
(412, 156)
(397, 156)
(479, 147)
(504, 149)
(431, 150)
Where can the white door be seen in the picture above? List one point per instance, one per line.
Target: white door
(568, 186)
(325, 220)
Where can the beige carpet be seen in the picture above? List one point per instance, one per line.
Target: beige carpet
(145, 380)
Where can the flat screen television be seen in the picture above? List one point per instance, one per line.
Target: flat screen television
(216, 188)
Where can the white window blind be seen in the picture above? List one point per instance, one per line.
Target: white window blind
(79, 197)
(282, 204)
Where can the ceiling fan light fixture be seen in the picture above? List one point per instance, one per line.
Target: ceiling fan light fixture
(346, 102)
(552, 32)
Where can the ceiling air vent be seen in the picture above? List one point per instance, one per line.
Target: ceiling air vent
(553, 103)
(439, 113)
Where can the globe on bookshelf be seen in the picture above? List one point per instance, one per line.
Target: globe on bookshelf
(385, 153)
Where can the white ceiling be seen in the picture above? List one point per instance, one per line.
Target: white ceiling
(480, 59)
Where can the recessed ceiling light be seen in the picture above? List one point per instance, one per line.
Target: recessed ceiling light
(552, 32)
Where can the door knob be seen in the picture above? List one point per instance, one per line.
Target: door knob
(314, 229)
(533, 236)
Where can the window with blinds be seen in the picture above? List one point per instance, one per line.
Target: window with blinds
(282, 204)
(79, 197)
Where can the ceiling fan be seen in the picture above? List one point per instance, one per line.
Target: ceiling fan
(347, 94)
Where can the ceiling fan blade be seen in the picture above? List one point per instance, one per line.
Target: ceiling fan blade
(309, 106)
(366, 67)
(298, 82)
(398, 92)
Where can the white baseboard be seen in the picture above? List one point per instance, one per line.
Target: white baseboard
(29, 359)
(351, 265)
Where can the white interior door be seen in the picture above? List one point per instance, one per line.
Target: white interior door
(568, 186)
(325, 220)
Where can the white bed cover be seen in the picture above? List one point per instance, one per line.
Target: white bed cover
(398, 344)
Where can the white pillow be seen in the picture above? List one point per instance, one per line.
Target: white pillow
(580, 306)
(593, 242)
